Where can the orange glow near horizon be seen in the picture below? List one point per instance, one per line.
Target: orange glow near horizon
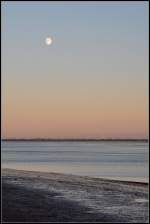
(68, 117)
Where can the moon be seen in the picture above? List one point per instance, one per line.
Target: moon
(48, 40)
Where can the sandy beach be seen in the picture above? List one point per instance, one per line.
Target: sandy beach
(29, 196)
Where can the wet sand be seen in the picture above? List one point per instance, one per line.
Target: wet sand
(29, 196)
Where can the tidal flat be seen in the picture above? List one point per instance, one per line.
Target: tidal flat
(30, 196)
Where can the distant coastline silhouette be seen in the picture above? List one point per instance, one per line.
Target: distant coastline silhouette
(72, 139)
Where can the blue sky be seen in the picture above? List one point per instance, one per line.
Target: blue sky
(99, 54)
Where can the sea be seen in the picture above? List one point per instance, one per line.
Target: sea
(119, 160)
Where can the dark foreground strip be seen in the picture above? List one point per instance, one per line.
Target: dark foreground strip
(23, 205)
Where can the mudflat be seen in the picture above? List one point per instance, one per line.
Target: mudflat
(29, 196)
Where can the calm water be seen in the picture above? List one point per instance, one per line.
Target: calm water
(115, 160)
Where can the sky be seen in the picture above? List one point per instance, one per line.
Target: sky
(92, 82)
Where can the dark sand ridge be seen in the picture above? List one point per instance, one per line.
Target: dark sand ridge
(29, 196)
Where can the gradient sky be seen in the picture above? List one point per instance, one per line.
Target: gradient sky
(91, 82)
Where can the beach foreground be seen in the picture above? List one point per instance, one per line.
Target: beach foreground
(29, 196)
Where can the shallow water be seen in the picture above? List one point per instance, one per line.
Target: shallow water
(126, 160)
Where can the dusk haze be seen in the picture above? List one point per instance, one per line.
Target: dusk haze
(91, 82)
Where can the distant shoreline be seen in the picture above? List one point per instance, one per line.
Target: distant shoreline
(73, 140)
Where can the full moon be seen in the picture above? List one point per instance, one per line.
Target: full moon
(48, 41)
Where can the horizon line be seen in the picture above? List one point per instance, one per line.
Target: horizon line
(74, 139)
